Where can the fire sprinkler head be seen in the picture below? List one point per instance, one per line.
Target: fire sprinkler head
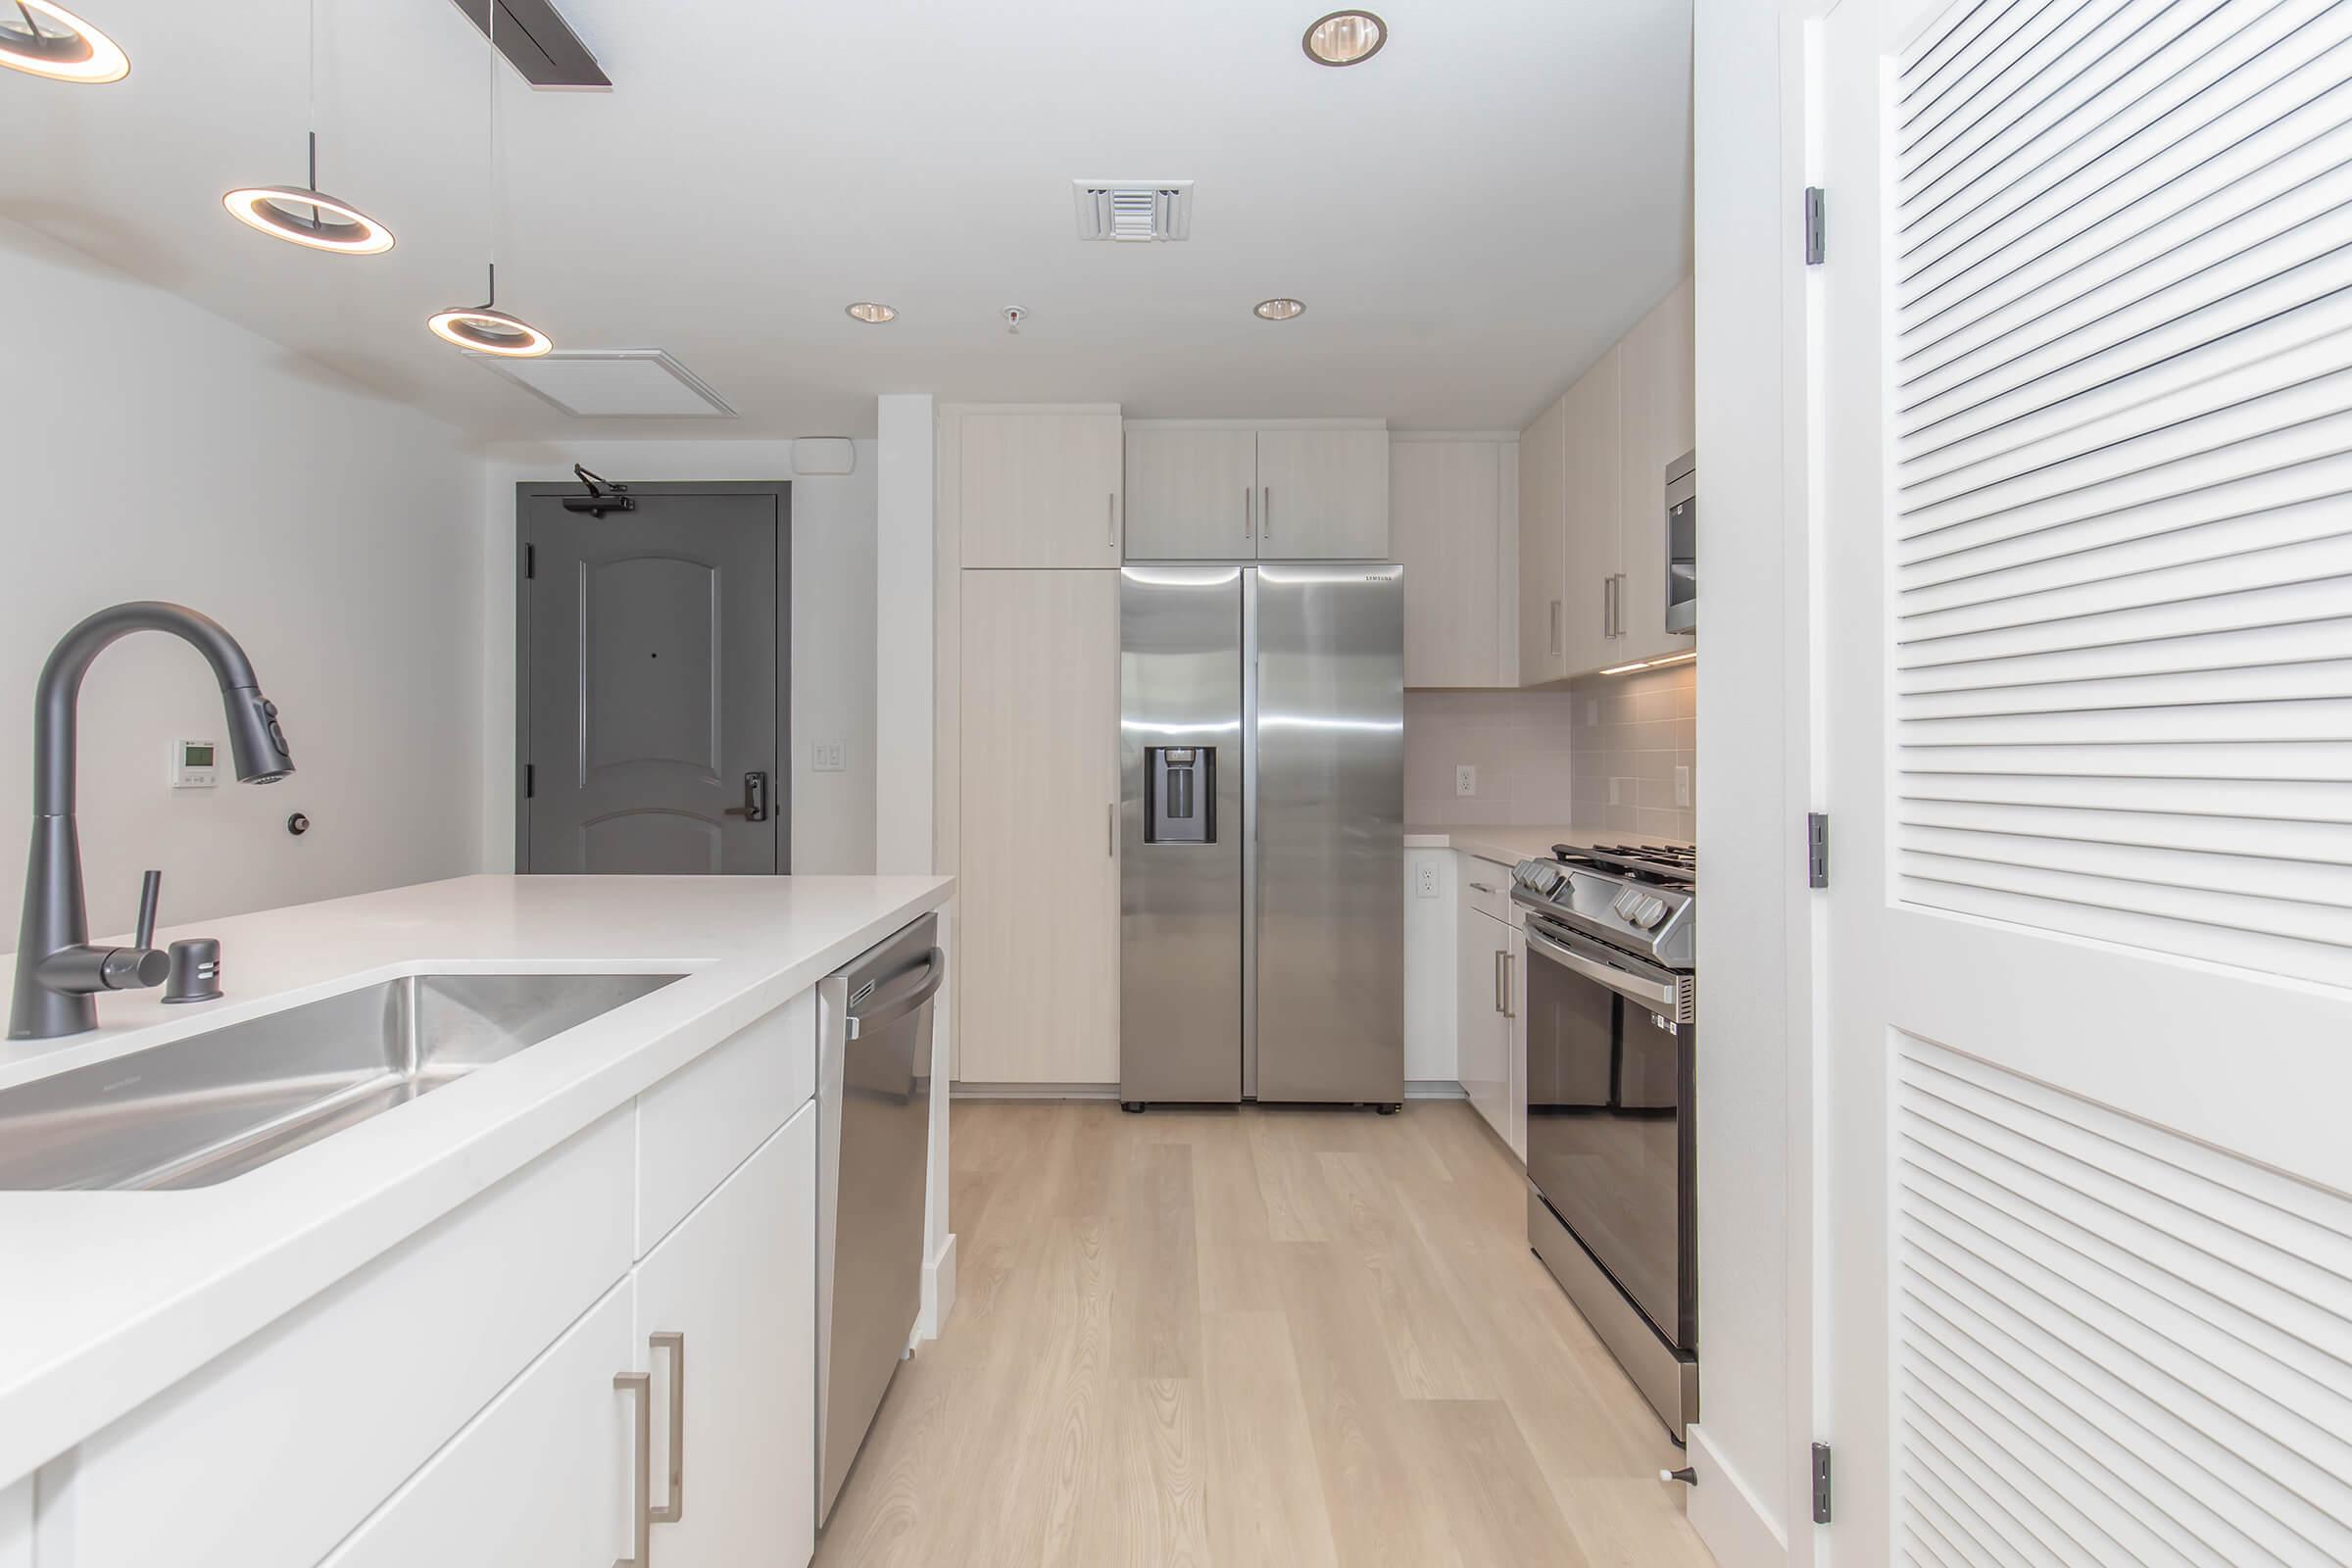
(1014, 316)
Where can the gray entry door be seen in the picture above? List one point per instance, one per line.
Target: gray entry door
(652, 647)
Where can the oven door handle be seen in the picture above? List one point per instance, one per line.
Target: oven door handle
(1658, 997)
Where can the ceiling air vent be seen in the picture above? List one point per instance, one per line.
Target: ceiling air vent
(614, 384)
(1134, 209)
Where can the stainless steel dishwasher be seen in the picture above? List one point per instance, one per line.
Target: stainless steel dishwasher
(873, 1146)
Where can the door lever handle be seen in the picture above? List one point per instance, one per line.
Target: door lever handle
(754, 798)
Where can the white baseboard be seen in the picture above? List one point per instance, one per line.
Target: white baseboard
(1727, 1513)
(1432, 1089)
(939, 1292)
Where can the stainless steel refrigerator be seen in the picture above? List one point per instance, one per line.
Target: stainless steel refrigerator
(1262, 818)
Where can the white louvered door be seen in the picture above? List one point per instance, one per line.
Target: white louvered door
(2083, 360)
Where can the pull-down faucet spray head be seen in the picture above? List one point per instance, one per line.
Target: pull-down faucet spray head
(56, 969)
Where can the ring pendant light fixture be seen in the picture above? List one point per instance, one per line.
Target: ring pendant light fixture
(43, 39)
(484, 328)
(305, 215)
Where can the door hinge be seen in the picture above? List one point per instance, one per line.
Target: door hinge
(530, 781)
(1821, 1482)
(1817, 232)
(1817, 849)
(530, 562)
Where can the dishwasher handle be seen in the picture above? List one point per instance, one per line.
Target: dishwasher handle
(903, 996)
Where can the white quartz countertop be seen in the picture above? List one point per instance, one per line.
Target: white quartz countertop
(1509, 846)
(108, 1298)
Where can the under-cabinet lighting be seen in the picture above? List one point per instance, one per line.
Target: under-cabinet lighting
(1650, 664)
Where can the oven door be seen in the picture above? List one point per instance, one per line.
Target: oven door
(1608, 1146)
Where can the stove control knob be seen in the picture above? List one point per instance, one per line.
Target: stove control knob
(1651, 912)
(1627, 906)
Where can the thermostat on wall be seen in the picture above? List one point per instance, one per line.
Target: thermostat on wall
(195, 764)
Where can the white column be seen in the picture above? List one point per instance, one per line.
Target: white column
(906, 624)
(904, 627)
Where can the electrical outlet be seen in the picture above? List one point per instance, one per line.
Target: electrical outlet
(1591, 710)
(1425, 880)
(1682, 786)
(1465, 779)
(1614, 785)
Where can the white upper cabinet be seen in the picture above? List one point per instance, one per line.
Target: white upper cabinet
(1322, 495)
(1592, 504)
(1218, 490)
(1659, 424)
(1191, 493)
(1593, 495)
(1039, 487)
(1543, 547)
(1454, 525)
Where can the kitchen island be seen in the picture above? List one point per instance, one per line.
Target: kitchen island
(248, 1371)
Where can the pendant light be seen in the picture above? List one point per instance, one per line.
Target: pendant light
(44, 40)
(304, 215)
(484, 328)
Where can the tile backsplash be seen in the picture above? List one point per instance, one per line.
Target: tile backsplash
(1630, 734)
(1554, 758)
(1518, 741)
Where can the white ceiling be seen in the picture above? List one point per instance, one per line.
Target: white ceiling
(1472, 215)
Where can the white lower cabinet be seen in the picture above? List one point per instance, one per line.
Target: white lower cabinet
(1489, 996)
(491, 1391)
(544, 1478)
(730, 1298)
(1483, 1033)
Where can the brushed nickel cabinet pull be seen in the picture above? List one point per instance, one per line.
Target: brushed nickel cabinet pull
(1110, 837)
(1265, 512)
(675, 1509)
(1249, 511)
(1110, 519)
(1510, 974)
(1555, 625)
(640, 1386)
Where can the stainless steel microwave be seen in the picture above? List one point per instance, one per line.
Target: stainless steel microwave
(1682, 544)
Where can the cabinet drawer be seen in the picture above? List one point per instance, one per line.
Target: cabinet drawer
(270, 1454)
(1487, 888)
(697, 1124)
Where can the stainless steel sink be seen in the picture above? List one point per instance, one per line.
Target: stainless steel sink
(208, 1106)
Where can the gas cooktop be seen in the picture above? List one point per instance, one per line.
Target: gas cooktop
(1643, 899)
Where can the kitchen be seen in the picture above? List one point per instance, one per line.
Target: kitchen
(1041, 903)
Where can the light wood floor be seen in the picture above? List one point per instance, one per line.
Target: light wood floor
(1255, 1337)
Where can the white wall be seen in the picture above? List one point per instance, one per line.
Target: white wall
(1432, 1053)
(1749, 1445)
(159, 451)
(832, 635)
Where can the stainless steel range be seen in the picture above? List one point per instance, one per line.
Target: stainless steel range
(1611, 1033)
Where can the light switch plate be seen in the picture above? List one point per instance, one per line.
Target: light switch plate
(1682, 786)
(1613, 791)
(1465, 779)
(827, 756)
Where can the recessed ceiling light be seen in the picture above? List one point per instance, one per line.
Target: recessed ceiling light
(1281, 310)
(872, 313)
(48, 40)
(1344, 38)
